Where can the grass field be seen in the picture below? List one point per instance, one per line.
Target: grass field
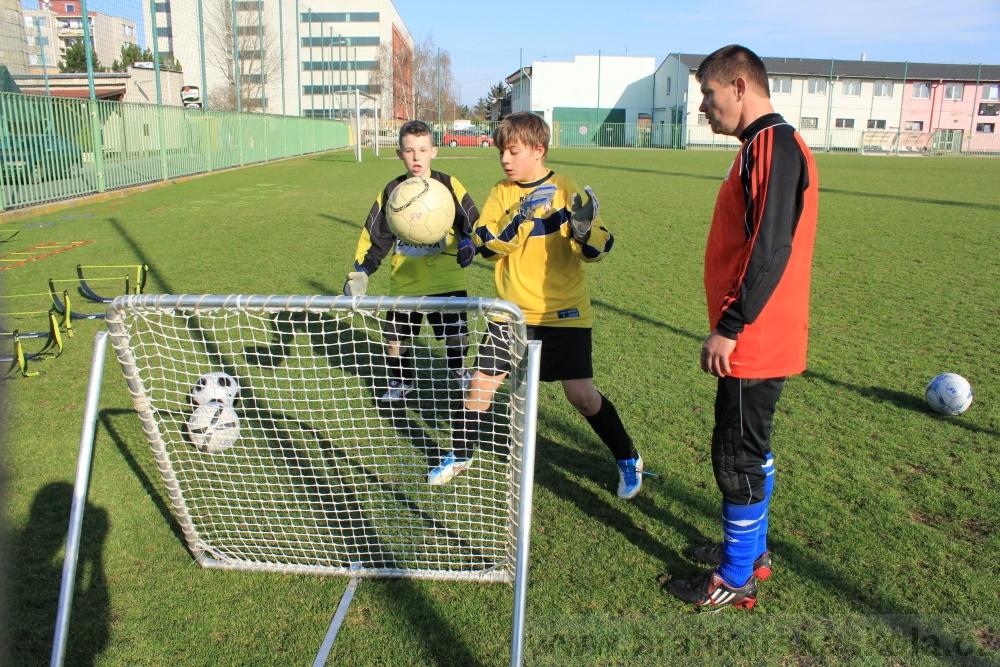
(884, 524)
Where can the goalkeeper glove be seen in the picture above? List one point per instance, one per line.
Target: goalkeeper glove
(582, 216)
(540, 197)
(357, 283)
(466, 251)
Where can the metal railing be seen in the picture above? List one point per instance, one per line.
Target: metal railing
(55, 148)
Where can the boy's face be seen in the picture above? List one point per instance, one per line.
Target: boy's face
(523, 163)
(417, 153)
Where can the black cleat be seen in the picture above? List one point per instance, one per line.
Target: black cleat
(712, 556)
(708, 592)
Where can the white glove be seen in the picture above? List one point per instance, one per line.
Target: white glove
(357, 283)
(540, 197)
(582, 216)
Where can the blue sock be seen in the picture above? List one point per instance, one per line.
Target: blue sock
(768, 488)
(740, 526)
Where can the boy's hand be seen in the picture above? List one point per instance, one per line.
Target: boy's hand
(540, 197)
(357, 283)
(466, 251)
(582, 216)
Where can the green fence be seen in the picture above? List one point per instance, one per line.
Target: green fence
(53, 148)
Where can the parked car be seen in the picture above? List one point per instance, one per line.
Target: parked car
(33, 158)
(385, 138)
(469, 136)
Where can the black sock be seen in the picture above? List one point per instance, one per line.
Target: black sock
(465, 432)
(456, 357)
(609, 428)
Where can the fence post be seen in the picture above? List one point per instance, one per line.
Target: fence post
(87, 48)
(97, 142)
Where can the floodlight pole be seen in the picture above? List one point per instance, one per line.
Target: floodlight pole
(376, 127)
(83, 464)
(357, 118)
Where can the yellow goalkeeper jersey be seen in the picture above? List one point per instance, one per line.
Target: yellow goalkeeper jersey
(539, 266)
(416, 270)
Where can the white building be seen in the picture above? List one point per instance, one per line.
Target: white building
(327, 48)
(593, 94)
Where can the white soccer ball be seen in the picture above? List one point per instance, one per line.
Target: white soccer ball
(420, 211)
(213, 427)
(949, 394)
(216, 386)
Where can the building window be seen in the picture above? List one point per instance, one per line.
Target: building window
(991, 92)
(70, 8)
(781, 85)
(340, 17)
(339, 40)
(914, 126)
(844, 124)
(809, 123)
(248, 30)
(250, 6)
(988, 109)
(702, 120)
(852, 88)
(921, 91)
(168, 31)
(954, 91)
(338, 65)
(876, 124)
(669, 82)
(816, 87)
(162, 7)
(986, 128)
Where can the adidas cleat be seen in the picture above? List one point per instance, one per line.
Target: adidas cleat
(397, 390)
(708, 592)
(629, 477)
(449, 468)
(712, 556)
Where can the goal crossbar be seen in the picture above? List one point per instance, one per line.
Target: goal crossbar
(317, 472)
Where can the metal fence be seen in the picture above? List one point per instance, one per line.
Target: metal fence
(53, 148)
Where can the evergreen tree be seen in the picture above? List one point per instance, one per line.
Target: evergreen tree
(76, 59)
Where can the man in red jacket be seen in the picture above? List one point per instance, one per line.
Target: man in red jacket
(757, 266)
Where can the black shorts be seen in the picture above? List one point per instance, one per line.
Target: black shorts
(566, 352)
(400, 325)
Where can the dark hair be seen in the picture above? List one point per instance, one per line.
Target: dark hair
(522, 127)
(413, 128)
(732, 61)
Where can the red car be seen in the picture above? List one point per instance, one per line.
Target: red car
(469, 136)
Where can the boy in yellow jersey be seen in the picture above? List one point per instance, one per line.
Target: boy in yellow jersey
(435, 270)
(540, 228)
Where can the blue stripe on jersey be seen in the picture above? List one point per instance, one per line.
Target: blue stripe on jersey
(551, 224)
(591, 252)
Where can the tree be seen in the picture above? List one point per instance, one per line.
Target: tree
(257, 55)
(392, 82)
(484, 106)
(433, 83)
(76, 59)
(131, 55)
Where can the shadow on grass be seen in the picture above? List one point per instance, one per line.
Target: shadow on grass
(899, 399)
(333, 218)
(143, 257)
(36, 575)
(850, 193)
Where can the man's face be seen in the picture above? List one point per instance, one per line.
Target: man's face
(523, 163)
(722, 106)
(417, 153)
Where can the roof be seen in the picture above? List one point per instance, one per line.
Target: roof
(516, 75)
(868, 69)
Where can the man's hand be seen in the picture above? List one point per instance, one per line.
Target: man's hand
(357, 283)
(582, 216)
(540, 197)
(466, 251)
(715, 354)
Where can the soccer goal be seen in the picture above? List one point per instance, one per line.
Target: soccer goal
(302, 466)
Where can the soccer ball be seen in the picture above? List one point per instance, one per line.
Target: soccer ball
(949, 394)
(216, 386)
(420, 211)
(213, 427)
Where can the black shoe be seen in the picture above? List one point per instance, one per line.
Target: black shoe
(712, 556)
(710, 593)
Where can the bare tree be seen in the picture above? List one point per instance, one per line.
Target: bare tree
(433, 84)
(392, 81)
(256, 46)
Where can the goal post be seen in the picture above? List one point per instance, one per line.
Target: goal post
(315, 470)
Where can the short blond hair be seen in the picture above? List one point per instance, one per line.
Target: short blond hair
(523, 128)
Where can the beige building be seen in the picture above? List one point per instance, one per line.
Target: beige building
(13, 50)
(62, 26)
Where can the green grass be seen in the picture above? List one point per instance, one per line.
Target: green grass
(884, 521)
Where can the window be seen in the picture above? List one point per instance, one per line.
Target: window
(70, 8)
(808, 123)
(162, 7)
(954, 91)
(781, 85)
(669, 81)
(989, 109)
(339, 40)
(128, 31)
(883, 89)
(986, 128)
(40, 22)
(169, 32)
(852, 88)
(921, 91)
(876, 124)
(816, 87)
(844, 124)
(702, 120)
(991, 92)
(340, 17)
(914, 126)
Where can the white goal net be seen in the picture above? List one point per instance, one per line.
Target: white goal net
(319, 474)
